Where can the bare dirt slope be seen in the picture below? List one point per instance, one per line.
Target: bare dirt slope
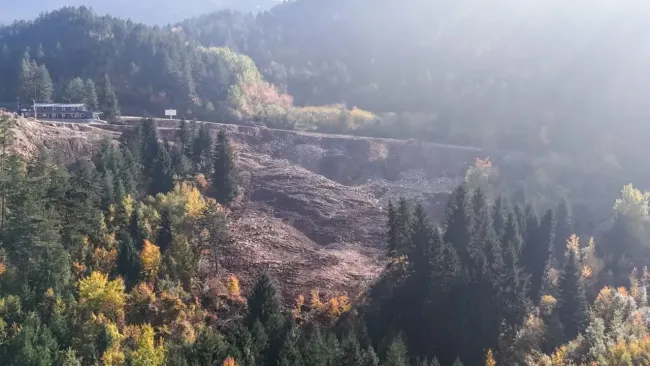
(311, 209)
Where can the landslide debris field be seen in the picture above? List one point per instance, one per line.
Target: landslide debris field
(312, 206)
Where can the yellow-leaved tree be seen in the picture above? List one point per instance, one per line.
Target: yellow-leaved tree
(150, 259)
(489, 359)
(146, 352)
(232, 285)
(99, 295)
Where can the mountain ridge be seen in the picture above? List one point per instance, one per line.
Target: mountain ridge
(145, 11)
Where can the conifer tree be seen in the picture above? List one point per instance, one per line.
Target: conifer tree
(514, 282)
(459, 223)
(564, 228)
(263, 302)
(396, 355)
(108, 102)
(573, 309)
(223, 176)
(33, 344)
(162, 175)
(499, 215)
(184, 136)
(74, 91)
(537, 252)
(392, 231)
(290, 353)
(35, 82)
(180, 163)
(351, 353)
(128, 261)
(165, 231)
(457, 362)
(90, 98)
(201, 150)
(399, 228)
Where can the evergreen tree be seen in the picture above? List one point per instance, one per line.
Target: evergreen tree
(537, 247)
(184, 136)
(147, 145)
(128, 261)
(457, 362)
(396, 355)
(74, 91)
(515, 281)
(108, 103)
(263, 302)
(162, 176)
(165, 231)
(392, 232)
(180, 163)
(34, 344)
(563, 230)
(499, 215)
(90, 98)
(201, 148)
(402, 233)
(459, 223)
(290, 353)
(223, 177)
(351, 353)
(319, 349)
(573, 309)
(35, 82)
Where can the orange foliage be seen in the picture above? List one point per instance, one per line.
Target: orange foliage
(337, 306)
(229, 362)
(78, 268)
(3, 269)
(300, 301)
(104, 259)
(315, 302)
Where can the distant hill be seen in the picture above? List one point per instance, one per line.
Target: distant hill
(146, 11)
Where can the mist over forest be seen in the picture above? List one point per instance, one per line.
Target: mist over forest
(539, 257)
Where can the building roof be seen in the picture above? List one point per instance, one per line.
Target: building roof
(47, 105)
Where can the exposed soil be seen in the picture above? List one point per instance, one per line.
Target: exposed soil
(311, 209)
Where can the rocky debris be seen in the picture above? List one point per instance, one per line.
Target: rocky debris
(312, 207)
(266, 243)
(325, 211)
(67, 141)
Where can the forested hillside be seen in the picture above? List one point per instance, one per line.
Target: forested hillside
(141, 11)
(526, 75)
(115, 260)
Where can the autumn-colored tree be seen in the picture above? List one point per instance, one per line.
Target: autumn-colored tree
(150, 260)
(229, 361)
(98, 294)
(146, 352)
(232, 285)
(489, 359)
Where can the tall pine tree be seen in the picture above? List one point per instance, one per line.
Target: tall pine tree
(223, 177)
(573, 308)
(108, 102)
